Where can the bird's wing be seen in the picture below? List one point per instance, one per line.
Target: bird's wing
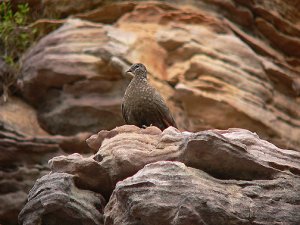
(124, 113)
(164, 112)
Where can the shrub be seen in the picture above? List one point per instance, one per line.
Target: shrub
(15, 37)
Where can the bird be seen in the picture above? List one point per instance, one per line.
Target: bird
(142, 104)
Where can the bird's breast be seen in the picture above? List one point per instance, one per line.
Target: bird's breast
(139, 96)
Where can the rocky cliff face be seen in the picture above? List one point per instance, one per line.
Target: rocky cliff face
(219, 64)
(145, 176)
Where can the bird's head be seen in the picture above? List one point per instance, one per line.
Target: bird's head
(138, 70)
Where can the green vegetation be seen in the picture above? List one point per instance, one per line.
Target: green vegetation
(15, 37)
(19, 28)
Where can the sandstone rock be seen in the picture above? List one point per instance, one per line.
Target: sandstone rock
(173, 177)
(16, 115)
(219, 64)
(95, 141)
(217, 72)
(203, 150)
(224, 154)
(55, 199)
(109, 13)
(171, 193)
(224, 76)
(24, 151)
(58, 8)
(230, 92)
(16, 153)
(73, 76)
(289, 45)
(82, 168)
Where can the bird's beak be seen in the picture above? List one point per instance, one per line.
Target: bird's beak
(129, 73)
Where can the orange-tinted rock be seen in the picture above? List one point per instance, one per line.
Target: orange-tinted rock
(223, 76)
(68, 71)
(108, 13)
(219, 64)
(63, 8)
(25, 149)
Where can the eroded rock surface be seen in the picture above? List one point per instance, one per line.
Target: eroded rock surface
(218, 64)
(171, 193)
(72, 72)
(25, 149)
(127, 149)
(222, 74)
(56, 200)
(209, 177)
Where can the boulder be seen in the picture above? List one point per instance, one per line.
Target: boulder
(56, 200)
(171, 193)
(172, 177)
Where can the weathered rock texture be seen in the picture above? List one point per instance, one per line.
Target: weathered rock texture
(210, 177)
(171, 193)
(223, 76)
(79, 90)
(24, 151)
(57, 200)
(218, 64)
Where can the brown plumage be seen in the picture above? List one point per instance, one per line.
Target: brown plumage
(142, 104)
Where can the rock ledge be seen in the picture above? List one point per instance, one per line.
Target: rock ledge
(209, 177)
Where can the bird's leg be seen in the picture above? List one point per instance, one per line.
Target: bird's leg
(144, 126)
